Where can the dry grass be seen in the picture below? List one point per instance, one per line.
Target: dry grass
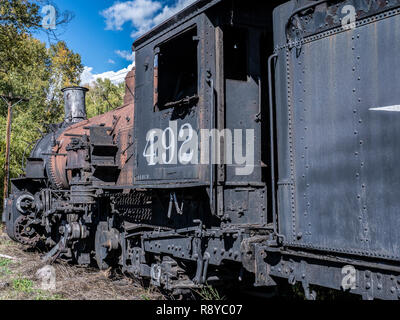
(18, 279)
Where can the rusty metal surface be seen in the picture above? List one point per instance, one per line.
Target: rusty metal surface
(129, 97)
(59, 162)
(329, 15)
(120, 122)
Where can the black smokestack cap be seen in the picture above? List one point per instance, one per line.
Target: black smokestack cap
(75, 104)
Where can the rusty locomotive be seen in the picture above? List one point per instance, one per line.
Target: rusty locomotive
(319, 204)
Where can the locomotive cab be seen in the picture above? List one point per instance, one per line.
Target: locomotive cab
(202, 116)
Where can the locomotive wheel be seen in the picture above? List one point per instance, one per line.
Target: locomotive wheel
(106, 246)
(24, 232)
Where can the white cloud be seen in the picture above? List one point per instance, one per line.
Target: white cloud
(168, 12)
(142, 14)
(130, 56)
(116, 77)
(138, 12)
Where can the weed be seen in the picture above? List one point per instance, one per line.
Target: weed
(4, 269)
(22, 285)
(4, 262)
(210, 293)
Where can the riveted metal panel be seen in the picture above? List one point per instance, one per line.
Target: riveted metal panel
(343, 137)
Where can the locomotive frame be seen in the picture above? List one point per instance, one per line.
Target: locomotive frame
(319, 206)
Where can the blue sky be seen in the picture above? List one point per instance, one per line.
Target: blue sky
(103, 31)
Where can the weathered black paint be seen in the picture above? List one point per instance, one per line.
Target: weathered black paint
(335, 158)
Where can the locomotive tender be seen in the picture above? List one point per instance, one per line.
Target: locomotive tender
(319, 204)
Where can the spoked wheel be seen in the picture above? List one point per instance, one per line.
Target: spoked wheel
(106, 246)
(25, 232)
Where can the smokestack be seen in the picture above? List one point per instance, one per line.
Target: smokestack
(74, 104)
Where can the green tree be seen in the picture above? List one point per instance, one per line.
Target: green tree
(29, 69)
(22, 15)
(38, 80)
(65, 71)
(16, 18)
(104, 96)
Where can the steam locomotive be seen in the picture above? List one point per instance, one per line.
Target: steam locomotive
(258, 143)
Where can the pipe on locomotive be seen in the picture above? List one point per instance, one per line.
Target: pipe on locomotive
(74, 104)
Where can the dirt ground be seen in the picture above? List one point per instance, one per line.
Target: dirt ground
(19, 279)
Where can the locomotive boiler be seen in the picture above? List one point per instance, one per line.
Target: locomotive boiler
(258, 143)
(62, 173)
